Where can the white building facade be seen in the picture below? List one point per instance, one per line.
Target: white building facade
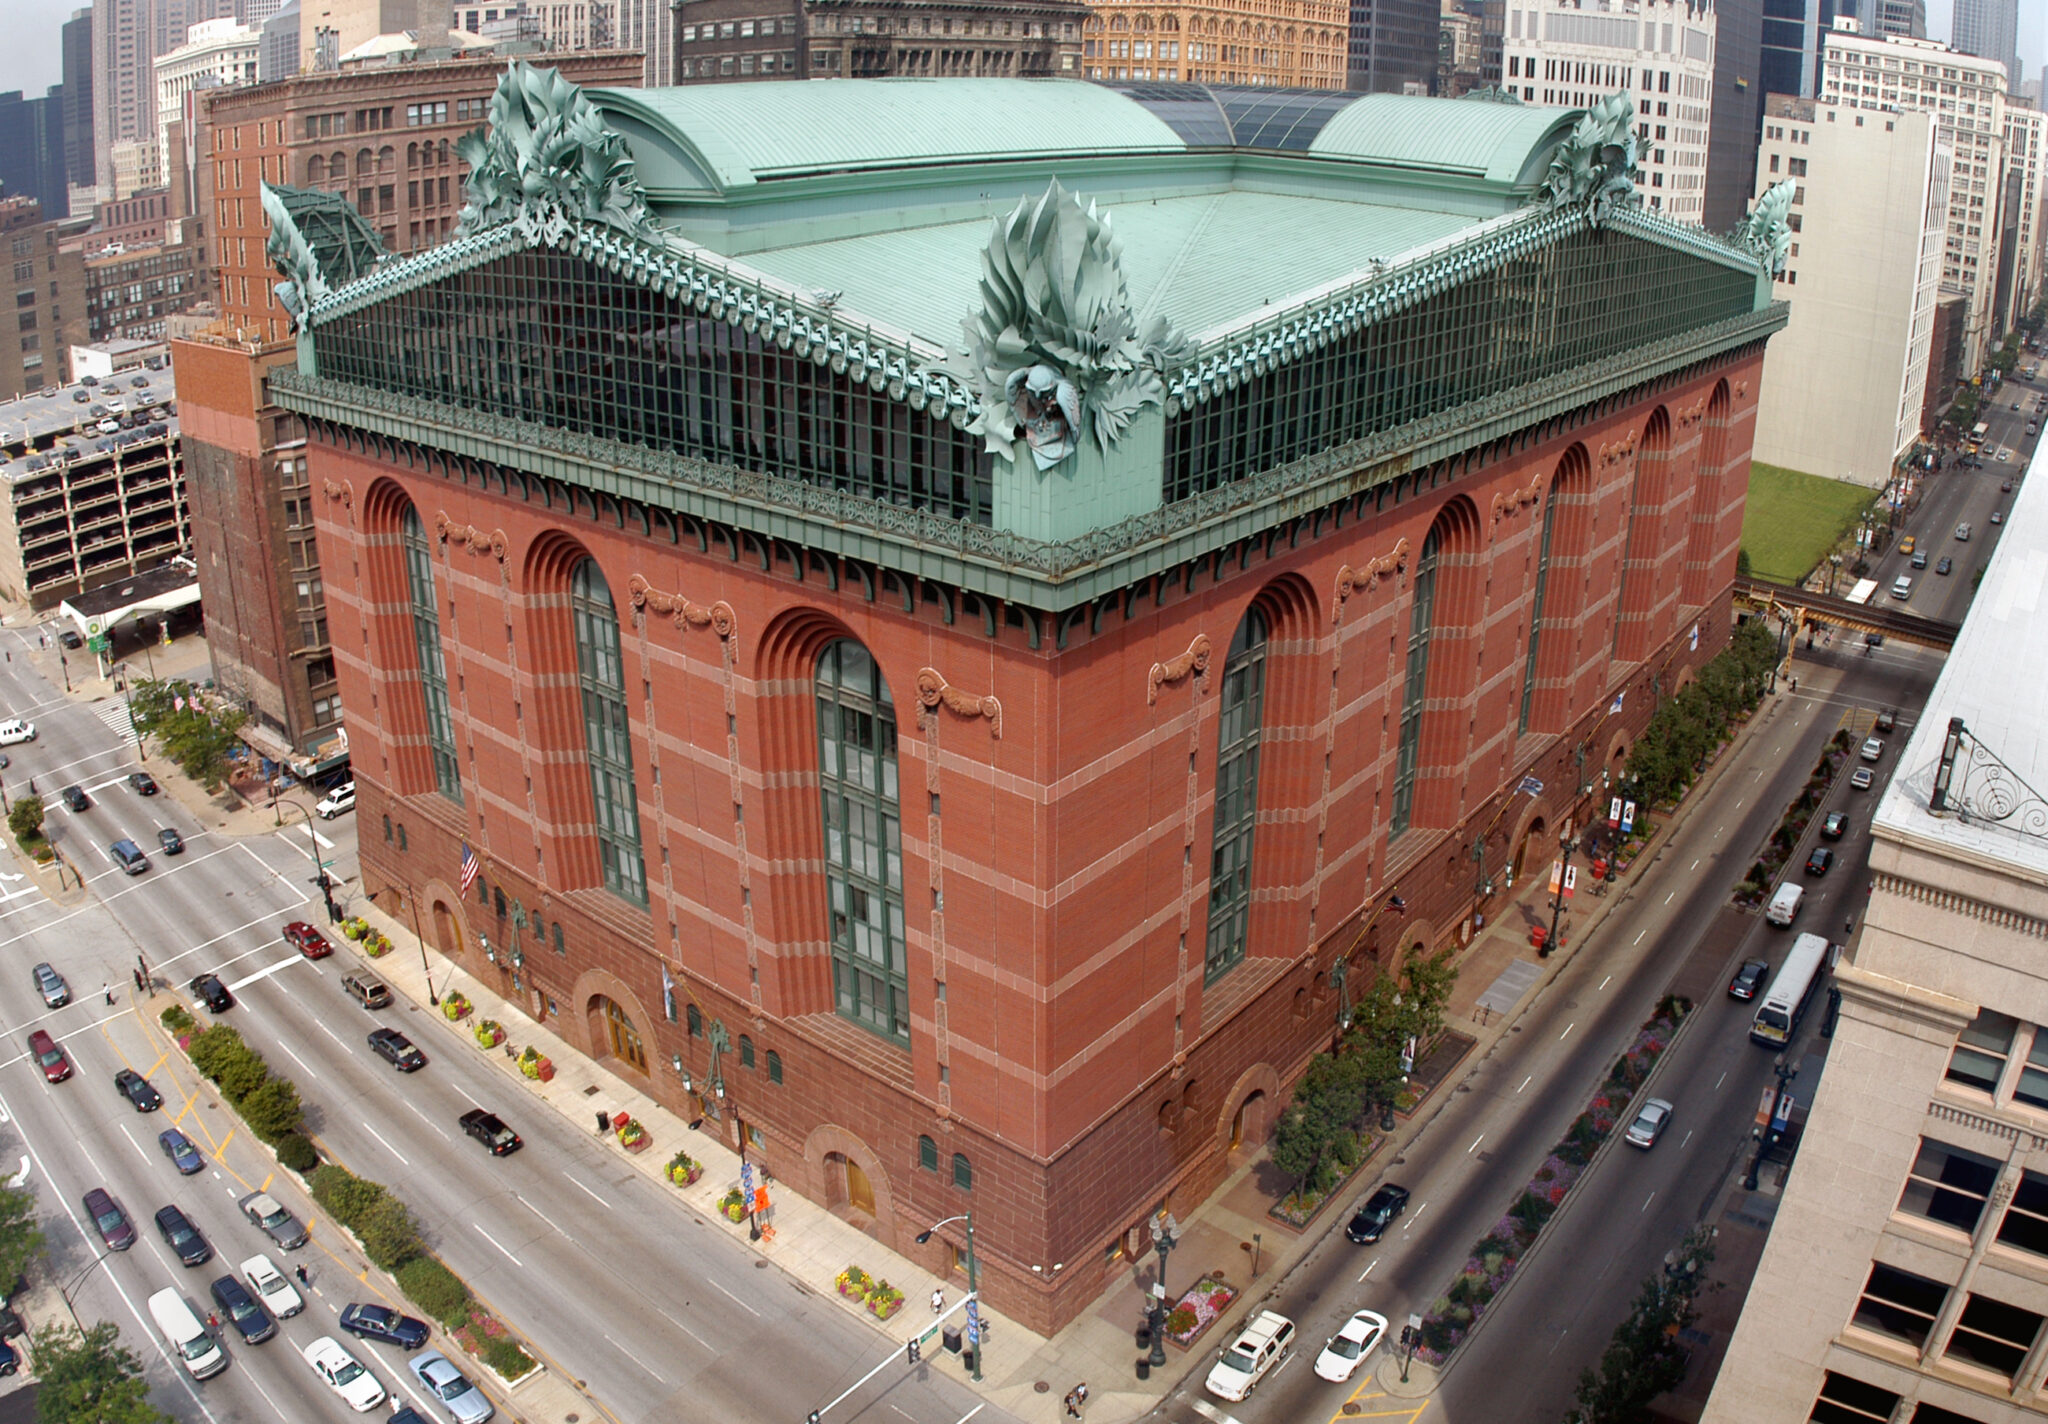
(1966, 95)
(1845, 383)
(558, 24)
(215, 52)
(2026, 163)
(1572, 55)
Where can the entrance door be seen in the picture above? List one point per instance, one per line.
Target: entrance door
(860, 1192)
(447, 937)
(624, 1038)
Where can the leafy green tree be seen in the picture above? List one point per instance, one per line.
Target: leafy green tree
(1325, 1103)
(194, 735)
(26, 819)
(21, 1240)
(242, 1072)
(90, 1378)
(1645, 1356)
(388, 1234)
(345, 1194)
(273, 1109)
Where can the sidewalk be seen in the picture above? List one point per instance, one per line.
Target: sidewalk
(1026, 1374)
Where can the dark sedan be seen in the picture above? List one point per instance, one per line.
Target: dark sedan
(1835, 826)
(397, 1050)
(377, 1322)
(137, 1090)
(1370, 1222)
(75, 797)
(183, 1237)
(171, 841)
(1749, 979)
(243, 1311)
(208, 990)
(143, 782)
(178, 1147)
(1819, 861)
(109, 1220)
(1946, 566)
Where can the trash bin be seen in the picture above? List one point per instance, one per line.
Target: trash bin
(1144, 1367)
(949, 1337)
(1144, 1337)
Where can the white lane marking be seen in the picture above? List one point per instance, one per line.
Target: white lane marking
(465, 1093)
(1720, 1080)
(19, 1177)
(588, 1192)
(1368, 1271)
(1526, 1082)
(1646, 1203)
(1682, 1141)
(335, 1036)
(631, 1356)
(738, 1302)
(1210, 1412)
(1672, 896)
(295, 1057)
(133, 1143)
(387, 1146)
(1415, 1218)
(494, 1241)
(1694, 866)
(1638, 939)
(541, 1214)
(265, 973)
(684, 1328)
(429, 1121)
(1475, 1143)
(971, 1413)
(1560, 1341)
(1604, 983)
(1567, 1030)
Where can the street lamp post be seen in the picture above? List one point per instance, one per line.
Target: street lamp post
(412, 904)
(319, 870)
(71, 1286)
(1165, 1236)
(973, 1282)
(1564, 866)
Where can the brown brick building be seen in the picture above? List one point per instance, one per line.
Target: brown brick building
(987, 809)
(132, 292)
(1291, 43)
(729, 41)
(48, 284)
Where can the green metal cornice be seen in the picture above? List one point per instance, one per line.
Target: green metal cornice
(1032, 573)
(1230, 356)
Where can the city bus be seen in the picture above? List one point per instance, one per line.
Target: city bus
(1791, 993)
(1864, 588)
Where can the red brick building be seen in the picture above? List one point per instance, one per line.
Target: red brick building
(985, 801)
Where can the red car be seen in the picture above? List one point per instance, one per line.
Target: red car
(307, 940)
(49, 1057)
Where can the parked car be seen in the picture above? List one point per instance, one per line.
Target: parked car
(1963, 532)
(1749, 979)
(307, 940)
(1835, 826)
(143, 783)
(368, 992)
(1860, 779)
(1351, 1346)
(2005, 485)
(344, 1374)
(341, 798)
(1920, 559)
(243, 1311)
(137, 1090)
(1376, 1213)
(75, 797)
(182, 1237)
(178, 1147)
(277, 1294)
(1266, 1340)
(1819, 861)
(112, 1223)
(381, 1322)
(1887, 720)
(493, 1134)
(397, 1050)
(50, 984)
(68, 638)
(15, 730)
(208, 989)
(1998, 516)
(464, 1402)
(279, 1224)
(171, 841)
(1650, 1123)
(49, 1057)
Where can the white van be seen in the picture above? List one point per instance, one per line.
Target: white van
(1902, 587)
(201, 1354)
(1785, 904)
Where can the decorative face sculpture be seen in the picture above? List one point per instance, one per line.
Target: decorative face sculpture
(1048, 411)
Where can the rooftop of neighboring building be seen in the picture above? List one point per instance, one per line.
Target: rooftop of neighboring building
(1992, 681)
(41, 424)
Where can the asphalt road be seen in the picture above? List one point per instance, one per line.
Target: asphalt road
(661, 1312)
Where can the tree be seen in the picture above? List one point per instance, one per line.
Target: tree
(1325, 1103)
(273, 1109)
(90, 1379)
(21, 1240)
(387, 1232)
(26, 819)
(1645, 1357)
(195, 736)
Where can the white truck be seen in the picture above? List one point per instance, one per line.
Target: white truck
(1256, 1352)
(1785, 904)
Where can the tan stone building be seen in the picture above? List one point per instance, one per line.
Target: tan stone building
(1284, 43)
(724, 41)
(49, 296)
(1906, 1275)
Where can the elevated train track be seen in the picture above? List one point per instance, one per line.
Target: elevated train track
(1806, 608)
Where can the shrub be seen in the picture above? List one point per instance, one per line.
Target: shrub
(346, 1196)
(241, 1073)
(296, 1151)
(435, 1289)
(176, 1019)
(502, 1353)
(212, 1048)
(387, 1232)
(272, 1109)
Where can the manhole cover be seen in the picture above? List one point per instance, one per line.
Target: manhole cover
(591, 1091)
(570, 1418)
(760, 1265)
(1040, 1387)
(1352, 1406)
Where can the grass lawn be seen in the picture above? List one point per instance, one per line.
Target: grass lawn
(1793, 519)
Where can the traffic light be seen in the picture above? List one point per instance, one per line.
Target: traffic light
(916, 1352)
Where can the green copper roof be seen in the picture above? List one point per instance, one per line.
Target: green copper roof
(730, 135)
(1495, 141)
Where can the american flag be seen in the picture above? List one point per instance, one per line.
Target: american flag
(470, 867)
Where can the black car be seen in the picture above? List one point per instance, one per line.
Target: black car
(171, 841)
(143, 782)
(1370, 1222)
(1887, 720)
(208, 989)
(397, 1050)
(75, 797)
(378, 1322)
(1819, 861)
(1749, 979)
(183, 1237)
(1835, 826)
(136, 1089)
(69, 638)
(1947, 565)
(500, 1139)
(243, 1311)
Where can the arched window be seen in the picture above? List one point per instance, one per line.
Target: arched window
(1237, 794)
(963, 1172)
(1536, 610)
(426, 634)
(1421, 625)
(927, 1154)
(316, 170)
(774, 1066)
(863, 845)
(601, 669)
(746, 1051)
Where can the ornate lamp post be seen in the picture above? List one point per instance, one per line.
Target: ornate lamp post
(1165, 1236)
(1564, 851)
(973, 1283)
(411, 904)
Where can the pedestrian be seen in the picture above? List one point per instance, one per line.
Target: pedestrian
(138, 980)
(1073, 1406)
(938, 1302)
(212, 1321)
(300, 1272)
(1081, 1393)
(108, 990)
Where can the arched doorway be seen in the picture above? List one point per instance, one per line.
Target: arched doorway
(447, 934)
(620, 1033)
(860, 1192)
(1248, 1125)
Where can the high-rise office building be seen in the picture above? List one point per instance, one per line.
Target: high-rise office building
(215, 52)
(49, 273)
(1735, 111)
(1990, 30)
(127, 36)
(1393, 46)
(1662, 53)
(78, 90)
(1792, 35)
(32, 160)
(277, 55)
(1905, 18)
(650, 27)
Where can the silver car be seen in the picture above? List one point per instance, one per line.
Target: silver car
(56, 993)
(278, 1224)
(464, 1402)
(1649, 1124)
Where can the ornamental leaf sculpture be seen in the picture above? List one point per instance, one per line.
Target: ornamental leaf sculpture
(1596, 166)
(546, 159)
(290, 253)
(1767, 231)
(1056, 348)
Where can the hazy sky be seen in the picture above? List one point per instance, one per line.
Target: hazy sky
(32, 57)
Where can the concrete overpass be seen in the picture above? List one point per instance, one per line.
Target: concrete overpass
(1804, 607)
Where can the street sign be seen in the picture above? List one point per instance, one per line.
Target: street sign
(1764, 1107)
(747, 1184)
(1782, 1118)
(1571, 880)
(973, 1322)
(1628, 817)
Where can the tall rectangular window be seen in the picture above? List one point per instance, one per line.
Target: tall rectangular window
(1982, 1050)
(601, 671)
(863, 840)
(1846, 1400)
(1949, 1185)
(426, 633)
(1536, 613)
(1237, 795)
(1421, 625)
(1900, 1304)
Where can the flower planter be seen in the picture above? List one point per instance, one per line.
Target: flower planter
(684, 1170)
(535, 1065)
(632, 1136)
(454, 1007)
(885, 1302)
(489, 1034)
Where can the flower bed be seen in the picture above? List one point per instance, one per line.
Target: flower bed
(1196, 1311)
(1495, 1256)
(632, 1136)
(733, 1207)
